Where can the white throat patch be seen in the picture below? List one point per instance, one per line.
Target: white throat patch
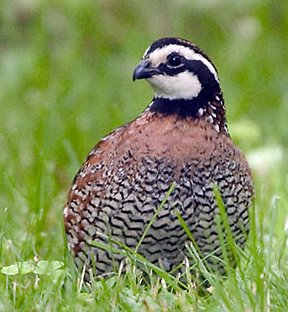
(185, 85)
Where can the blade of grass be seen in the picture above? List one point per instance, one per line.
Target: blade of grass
(171, 189)
(134, 256)
(224, 219)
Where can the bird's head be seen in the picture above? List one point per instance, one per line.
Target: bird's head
(183, 77)
(176, 68)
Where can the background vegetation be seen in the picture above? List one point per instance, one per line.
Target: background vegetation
(65, 81)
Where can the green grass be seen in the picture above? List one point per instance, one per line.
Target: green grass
(65, 81)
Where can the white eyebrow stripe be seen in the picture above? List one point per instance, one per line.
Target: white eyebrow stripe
(146, 51)
(159, 55)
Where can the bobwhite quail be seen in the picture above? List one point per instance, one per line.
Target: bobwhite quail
(181, 138)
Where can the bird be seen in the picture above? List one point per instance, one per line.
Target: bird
(182, 140)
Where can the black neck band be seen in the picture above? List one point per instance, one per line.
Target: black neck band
(184, 108)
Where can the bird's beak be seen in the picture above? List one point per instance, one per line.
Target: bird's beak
(144, 70)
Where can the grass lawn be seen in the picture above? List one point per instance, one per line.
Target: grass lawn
(66, 81)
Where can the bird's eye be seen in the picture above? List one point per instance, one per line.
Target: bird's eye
(174, 60)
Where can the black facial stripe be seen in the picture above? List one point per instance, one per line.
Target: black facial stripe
(171, 71)
(203, 73)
